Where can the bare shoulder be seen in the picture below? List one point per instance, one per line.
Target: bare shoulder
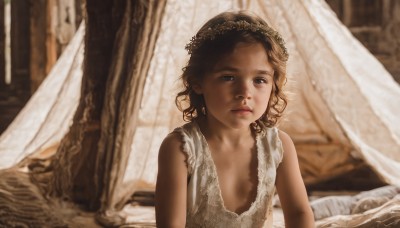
(289, 156)
(285, 138)
(172, 145)
(172, 161)
(172, 140)
(171, 183)
(296, 209)
(288, 147)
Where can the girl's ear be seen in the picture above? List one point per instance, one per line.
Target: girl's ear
(197, 88)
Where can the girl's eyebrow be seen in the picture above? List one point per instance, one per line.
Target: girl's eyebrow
(233, 69)
(226, 68)
(270, 73)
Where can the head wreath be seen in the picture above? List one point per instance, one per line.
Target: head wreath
(242, 25)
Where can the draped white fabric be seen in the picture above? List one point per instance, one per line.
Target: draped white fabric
(46, 118)
(342, 97)
(359, 93)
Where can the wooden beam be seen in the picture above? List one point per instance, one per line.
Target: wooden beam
(2, 47)
(20, 47)
(64, 23)
(37, 64)
(50, 39)
(78, 12)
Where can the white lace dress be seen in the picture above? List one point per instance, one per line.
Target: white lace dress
(205, 207)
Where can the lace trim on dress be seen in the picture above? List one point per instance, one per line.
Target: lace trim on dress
(191, 160)
(214, 182)
(279, 147)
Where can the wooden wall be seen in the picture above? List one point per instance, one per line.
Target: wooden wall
(376, 24)
(40, 30)
(2, 45)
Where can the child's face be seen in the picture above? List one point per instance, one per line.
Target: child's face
(237, 90)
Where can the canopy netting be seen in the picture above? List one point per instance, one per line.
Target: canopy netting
(343, 110)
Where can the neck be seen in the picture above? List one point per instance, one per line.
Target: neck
(215, 131)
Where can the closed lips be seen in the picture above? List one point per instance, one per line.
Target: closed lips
(242, 110)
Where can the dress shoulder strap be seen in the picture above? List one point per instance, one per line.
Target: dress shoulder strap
(270, 137)
(188, 137)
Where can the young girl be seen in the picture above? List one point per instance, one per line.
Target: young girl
(221, 168)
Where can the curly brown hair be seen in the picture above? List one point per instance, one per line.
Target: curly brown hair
(207, 51)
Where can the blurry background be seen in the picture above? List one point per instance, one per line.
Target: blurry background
(34, 33)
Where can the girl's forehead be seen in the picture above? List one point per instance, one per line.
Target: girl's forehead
(246, 56)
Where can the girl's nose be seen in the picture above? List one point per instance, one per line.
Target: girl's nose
(242, 91)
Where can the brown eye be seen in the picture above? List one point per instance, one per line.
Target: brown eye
(227, 78)
(260, 81)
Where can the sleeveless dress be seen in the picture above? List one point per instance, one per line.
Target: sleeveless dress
(205, 206)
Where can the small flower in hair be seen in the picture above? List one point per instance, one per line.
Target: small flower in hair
(241, 25)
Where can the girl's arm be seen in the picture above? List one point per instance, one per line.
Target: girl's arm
(171, 184)
(290, 187)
